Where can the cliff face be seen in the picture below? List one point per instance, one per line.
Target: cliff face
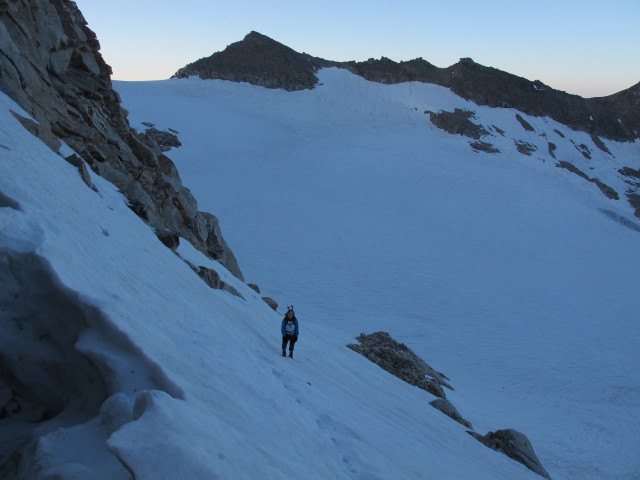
(51, 66)
(262, 61)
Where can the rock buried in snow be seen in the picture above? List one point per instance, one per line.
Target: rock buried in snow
(446, 407)
(271, 302)
(399, 360)
(515, 445)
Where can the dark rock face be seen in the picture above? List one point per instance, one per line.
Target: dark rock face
(51, 66)
(399, 360)
(515, 445)
(458, 123)
(262, 61)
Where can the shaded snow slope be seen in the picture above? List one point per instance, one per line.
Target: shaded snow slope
(193, 380)
(499, 269)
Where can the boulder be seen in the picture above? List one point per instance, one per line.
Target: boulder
(515, 445)
(210, 277)
(399, 360)
(254, 287)
(271, 302)
(168, 238)
(446, 407)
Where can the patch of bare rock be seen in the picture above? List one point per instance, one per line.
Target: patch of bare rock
(399, 360)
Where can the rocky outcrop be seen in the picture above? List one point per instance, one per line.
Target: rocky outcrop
(604, 188)
(51, 66)
(262, 61)
(271, 302)
(634, 200)
(526, 125)
(399, 360)
(166, 140)
(480, 146)
(632, 178)
(458, 123)
(515, 445)
(524, 148)
(446, 407)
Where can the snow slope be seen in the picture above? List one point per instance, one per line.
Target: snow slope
(501, 270)
(161, 377)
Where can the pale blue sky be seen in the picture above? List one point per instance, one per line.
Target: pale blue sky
(587, 47)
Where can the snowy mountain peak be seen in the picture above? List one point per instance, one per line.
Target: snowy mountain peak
(260, 60)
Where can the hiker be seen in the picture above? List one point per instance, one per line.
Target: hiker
(289, 331)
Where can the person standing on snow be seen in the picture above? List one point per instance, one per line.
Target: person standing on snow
(289, 331)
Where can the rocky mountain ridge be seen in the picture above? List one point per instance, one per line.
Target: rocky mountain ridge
(260, 60)
(51, 66)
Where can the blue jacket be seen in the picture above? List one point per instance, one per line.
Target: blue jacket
(284, 321)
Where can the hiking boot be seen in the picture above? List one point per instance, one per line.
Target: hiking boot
(284, 354)
(290, 354)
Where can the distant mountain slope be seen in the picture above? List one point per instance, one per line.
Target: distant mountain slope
(259, 60)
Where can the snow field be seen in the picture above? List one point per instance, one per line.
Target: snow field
(499, 270)
(196, 386)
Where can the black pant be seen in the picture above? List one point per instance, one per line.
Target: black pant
(286, 339)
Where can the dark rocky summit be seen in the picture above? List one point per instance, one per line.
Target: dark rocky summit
(51, 66)
(258, 60)
(262, 61)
